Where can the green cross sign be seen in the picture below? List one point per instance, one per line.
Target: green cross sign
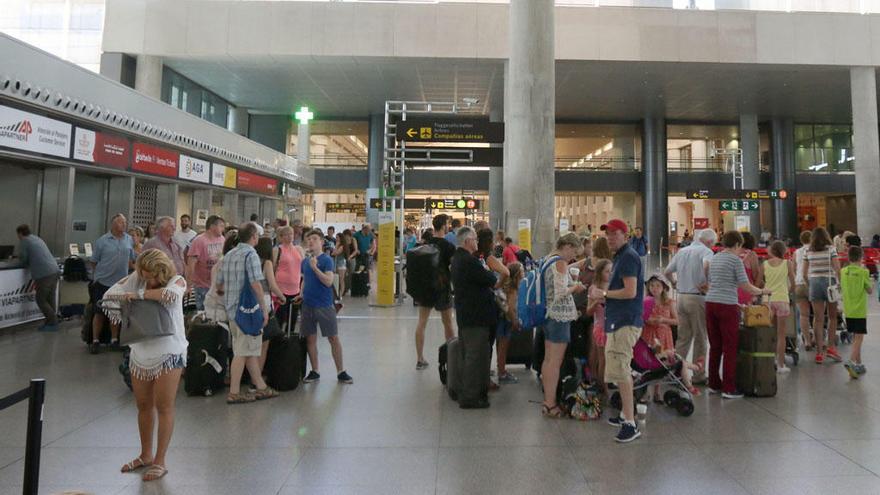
(304, 115)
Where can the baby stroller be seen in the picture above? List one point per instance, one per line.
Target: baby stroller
(649, 370)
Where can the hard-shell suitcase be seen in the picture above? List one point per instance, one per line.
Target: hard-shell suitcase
(521, 347)
(206, 358)
(360, 284)
(286, 358)
(757, 339)
(454, 367)
(756, 373)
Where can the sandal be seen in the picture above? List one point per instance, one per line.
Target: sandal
(548, 412)
(135, 465)
(154, 473)
(239, 398)
(265, 393)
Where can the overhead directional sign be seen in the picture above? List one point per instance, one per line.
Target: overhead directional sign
(452, 204)
(738, 194)
(408, 203)
(450, 131)
(737, 205)
(454, 156)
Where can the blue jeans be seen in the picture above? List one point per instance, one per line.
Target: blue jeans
(200, 293)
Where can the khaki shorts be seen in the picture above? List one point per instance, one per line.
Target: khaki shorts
(244, 345)
(801, 293)
(619, 354)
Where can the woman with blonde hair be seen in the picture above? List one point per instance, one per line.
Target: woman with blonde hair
(156, 363)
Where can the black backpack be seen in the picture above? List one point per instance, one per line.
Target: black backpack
(422, 274)
(525, 257)
(75, 270)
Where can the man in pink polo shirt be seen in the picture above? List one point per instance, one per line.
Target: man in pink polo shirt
(203, 254)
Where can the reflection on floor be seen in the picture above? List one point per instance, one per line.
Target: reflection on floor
(396, 432)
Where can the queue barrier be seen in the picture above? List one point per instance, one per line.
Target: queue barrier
(35, 394)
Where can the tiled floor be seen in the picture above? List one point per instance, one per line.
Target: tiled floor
(396, 432)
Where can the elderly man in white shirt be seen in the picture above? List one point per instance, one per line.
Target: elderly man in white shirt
(687, 271)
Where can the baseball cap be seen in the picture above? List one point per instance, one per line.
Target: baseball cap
(616, 225)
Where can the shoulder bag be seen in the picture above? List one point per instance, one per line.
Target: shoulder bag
(144, 320)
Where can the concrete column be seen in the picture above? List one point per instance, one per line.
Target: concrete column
(230, 209)
(375, 162)
(166, 201)
(866, 149)
(750, 145)
(118, 67)
(251, 206)
(121, 198)
(655, 198)
(239, 121)
(783, 177)
(148, 76)
(201, 200)
(530, 118)
(56, 211)
(268, 209)
(496, 176)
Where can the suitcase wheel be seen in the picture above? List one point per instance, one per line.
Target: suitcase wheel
(685, 407)
(671, 398)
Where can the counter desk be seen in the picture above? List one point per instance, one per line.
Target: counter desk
(17, 295)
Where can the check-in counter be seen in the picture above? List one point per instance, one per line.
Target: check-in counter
(18, 300)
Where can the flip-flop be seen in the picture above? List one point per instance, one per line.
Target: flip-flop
(155, 472)
(134, 465)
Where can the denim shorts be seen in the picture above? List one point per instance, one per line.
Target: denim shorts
(504, 329)
(819, 289)
(558, 332)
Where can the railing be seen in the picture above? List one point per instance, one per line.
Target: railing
(609, 163)
(338, 160)
(35, 394)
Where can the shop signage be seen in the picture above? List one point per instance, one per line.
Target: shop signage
(18, 298)
(735, 205)
(701, 223)
(738, 194)
(452, 204)
(256, 183)
(101, 148)
(223, 176)
(194, 169)
(30, 132)
(154, 160)
(450, 131)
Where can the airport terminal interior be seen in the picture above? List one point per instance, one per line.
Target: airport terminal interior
(152, 151)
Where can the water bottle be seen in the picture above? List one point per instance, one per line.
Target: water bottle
(641, 414)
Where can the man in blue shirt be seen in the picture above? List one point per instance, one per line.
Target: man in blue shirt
(640, 245)
(35, 255)
(453, 232)
(318, 307)
(112, 256)
(623, 324)
(366, 243)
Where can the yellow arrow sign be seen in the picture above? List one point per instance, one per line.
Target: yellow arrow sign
(411, 132)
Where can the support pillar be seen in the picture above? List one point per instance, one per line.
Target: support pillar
(530, 119)
(375, 162)
(239, 121)
(655, 198)
(148, 76)
(251, 206)
(166, 201)
(750, 145)
(496, 177)
(201, 200)
(120, 199)
(230, 209)
(268, 209)
(785, 225)
(866, 149)
(56, 212)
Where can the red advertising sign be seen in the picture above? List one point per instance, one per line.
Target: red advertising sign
(701, 223)
(154, 160)
(256, 183)
(101, 149)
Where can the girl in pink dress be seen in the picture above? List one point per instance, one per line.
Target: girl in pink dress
(659, 314)
(596, 309)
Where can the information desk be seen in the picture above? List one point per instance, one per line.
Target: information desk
(17, 296)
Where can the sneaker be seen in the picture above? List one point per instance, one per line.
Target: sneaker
(345, 378)
(732, 395)
(616, 421)
(860, 368)
(420, 365)
(95, 347)
(820, 358)
(507, 379)
(311, 377)
(852, 369)
(628, 432)
(783, 370)
(833, 354)
(714, 391)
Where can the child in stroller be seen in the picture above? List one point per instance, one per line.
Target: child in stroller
(655, 368)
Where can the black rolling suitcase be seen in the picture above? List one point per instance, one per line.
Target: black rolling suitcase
(286, 358)
(756, 361)
(206, 358)
(360, 284)
(454, 367)
(521, 347)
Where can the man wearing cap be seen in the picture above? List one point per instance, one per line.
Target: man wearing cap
(623, 324)
(688, 271)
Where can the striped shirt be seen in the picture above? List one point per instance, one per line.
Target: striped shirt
(820, 263)
(726, 273)
(239, 265)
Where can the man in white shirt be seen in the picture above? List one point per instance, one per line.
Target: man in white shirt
(690, 267)
(185, 235)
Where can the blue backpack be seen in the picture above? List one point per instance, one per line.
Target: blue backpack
(249, 315)
(531, 304)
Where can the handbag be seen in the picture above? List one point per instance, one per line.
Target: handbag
(144, 320)
(756, 315)
(249, 314)
(833, 291)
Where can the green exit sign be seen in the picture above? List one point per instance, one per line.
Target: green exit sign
(736, 205)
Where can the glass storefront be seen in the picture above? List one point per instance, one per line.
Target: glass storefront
(823, 148)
